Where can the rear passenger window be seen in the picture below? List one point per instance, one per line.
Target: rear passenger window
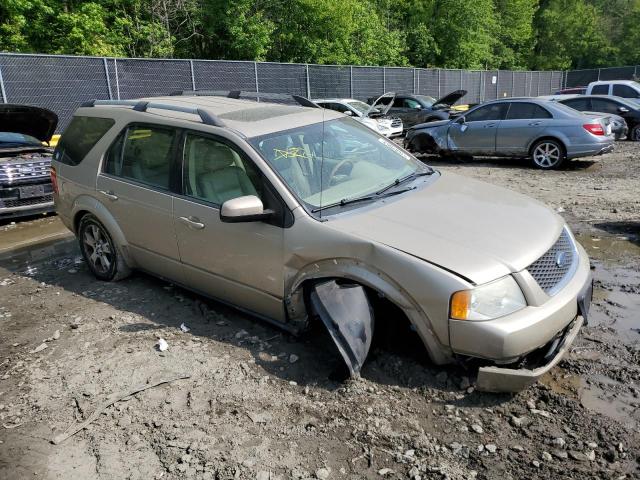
(80, 137)
(580, 104)
(519, 110)
(143, 154)
(624, 91)
(600, 90)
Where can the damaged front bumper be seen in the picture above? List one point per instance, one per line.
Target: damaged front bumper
(500, 379)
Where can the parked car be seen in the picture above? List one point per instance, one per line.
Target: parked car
(617, 88)
(367, 115)
(297, 213)
(626, 109)
(416, 109)
(25, 184)
(572, 91)
(547, 132)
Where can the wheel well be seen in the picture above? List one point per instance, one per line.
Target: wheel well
(391, 323)
(77, 218)
(548, 137)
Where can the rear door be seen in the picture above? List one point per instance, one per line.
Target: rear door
(135, 185)
(522, 125)
(475, 132)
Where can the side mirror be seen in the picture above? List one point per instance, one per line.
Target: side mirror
(418, 107)
(623, 109)
(348, 113)
(244, 209)
(461, 121)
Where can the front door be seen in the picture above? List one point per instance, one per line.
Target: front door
(134, 185)
(475, 133)
(523, 124)
(239, 263)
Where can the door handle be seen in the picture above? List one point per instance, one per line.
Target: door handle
(110, 195)
(491, 125)
(534, 124)
(192, 222)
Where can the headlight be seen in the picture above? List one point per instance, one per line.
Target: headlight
(381, 128)
(493, 300)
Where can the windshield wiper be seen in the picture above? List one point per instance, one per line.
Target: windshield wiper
(398, 181)
(364, 198)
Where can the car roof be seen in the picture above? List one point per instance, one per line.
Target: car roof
(340, 100)
(607, 82)
(247, 117)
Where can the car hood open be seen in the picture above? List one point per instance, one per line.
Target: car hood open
(478, 231)
(451, 98)
(36, 122)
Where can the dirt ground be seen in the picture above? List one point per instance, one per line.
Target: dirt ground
(260, 404)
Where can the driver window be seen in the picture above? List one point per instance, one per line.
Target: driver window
(495, 111)
(214, 172)
(410, 103)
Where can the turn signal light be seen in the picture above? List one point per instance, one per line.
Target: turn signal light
(460, 302)
(594, 128)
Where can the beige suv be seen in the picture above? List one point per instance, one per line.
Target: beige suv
(293, 213)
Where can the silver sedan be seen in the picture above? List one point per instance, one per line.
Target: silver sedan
(546, 132)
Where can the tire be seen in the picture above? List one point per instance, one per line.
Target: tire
(547, 154)
(101, 254)
(634, 134)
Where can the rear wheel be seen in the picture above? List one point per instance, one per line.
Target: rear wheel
(99, 251)
(548, 154)
(634, 134)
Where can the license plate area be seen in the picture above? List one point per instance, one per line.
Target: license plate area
(31, 191)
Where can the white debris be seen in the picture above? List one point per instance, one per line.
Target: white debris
(162, 344)
(184, 328)
(39, 348)
(56, 335)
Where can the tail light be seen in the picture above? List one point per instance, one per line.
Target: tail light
(594, 128)
(54, 180)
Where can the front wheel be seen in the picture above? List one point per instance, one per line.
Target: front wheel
(99, 251)
(634, 134)
(548, 154)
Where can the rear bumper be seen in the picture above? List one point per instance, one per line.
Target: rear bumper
(590, 150)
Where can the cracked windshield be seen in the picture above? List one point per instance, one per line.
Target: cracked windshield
(335, 162)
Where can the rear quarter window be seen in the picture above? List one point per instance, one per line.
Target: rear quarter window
(79, 137)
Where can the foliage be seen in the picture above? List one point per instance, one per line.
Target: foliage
(515, 34)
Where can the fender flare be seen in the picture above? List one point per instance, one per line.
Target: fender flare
(88, 204)
(367, 276)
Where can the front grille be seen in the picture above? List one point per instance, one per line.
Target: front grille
(25, 202)
(396, 122)
(12, 172)
(555, 266)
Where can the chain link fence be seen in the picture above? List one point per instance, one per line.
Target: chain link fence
(62, 83)
(582, 78)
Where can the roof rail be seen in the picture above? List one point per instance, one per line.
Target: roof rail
(142, 106)
(302, 101)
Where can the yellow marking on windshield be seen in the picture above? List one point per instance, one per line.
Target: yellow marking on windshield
(291, 152)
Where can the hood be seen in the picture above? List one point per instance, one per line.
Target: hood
(385, 108)
(437, 123)
(476, 230)
(26, 120)
(451, 98)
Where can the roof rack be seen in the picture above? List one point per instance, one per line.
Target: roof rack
(142, 106)
(302, 101)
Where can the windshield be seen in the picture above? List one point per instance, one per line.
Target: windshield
(10, 139)
(330, 162)
(426, 100)
(359, 106)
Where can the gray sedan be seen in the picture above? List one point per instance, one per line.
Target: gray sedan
(547, 132)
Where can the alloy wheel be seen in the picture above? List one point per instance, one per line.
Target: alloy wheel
(98, 249)
(547, 155)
